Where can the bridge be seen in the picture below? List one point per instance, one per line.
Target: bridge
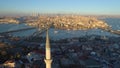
(117, 32)
(12, 31)
(37, 33)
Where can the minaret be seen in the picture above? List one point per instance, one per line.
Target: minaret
(48, 59)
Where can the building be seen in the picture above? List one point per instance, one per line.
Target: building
(48, 59)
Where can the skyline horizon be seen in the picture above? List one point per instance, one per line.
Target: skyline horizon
(83, 7)
(36, 14)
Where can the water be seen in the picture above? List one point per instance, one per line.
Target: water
(9, 27)
(114, 22)
(60, 34)
(78, 33)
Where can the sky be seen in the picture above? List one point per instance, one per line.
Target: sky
(84, 7)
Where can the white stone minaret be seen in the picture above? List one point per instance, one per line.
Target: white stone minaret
(48, 59)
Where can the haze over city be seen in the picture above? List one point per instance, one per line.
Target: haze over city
(83, 7)
(59, 34)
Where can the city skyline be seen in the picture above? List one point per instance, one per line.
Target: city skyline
(83, 7)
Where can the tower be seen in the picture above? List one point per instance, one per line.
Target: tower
(48, 59)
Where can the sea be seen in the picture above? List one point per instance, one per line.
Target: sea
(62, 34)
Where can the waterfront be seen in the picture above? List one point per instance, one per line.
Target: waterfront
(10, 27)
(68, 47)
(60, 34)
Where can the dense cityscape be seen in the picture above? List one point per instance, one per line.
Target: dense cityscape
(59, 34)
(80, 52)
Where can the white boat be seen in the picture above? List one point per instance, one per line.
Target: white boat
(55, 32)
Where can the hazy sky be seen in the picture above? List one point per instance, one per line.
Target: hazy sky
(107, 7)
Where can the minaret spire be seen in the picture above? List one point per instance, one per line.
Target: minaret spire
(48, 59)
